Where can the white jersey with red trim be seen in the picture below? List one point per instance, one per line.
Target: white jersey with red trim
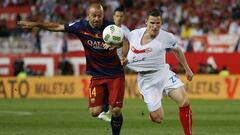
(126, 31)
(150, 56)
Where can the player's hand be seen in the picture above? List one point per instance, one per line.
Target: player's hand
(26, 24)
(124, 61)
(189, 75)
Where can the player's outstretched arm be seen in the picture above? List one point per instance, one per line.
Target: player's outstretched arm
(43, 25)
(181, 58)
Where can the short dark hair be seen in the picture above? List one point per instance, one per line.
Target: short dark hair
(119, 9)
(155, 13)
(96, 6)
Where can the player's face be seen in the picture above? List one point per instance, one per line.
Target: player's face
(95, 17)
(153, 25)
(118, 18)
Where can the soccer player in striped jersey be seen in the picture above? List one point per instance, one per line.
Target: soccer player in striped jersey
(147, 52)
(103, 65)
(118, 18)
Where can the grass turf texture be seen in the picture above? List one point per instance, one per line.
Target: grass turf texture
(71, 117)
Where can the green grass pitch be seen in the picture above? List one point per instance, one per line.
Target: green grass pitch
(71, 117)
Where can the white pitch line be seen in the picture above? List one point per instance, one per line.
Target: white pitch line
(6, 112)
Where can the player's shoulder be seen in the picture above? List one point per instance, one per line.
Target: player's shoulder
(164, 32)
(125, 28)
(167, 38)
(135, 33)
(166, 35)
(77, 23)
(138, 30)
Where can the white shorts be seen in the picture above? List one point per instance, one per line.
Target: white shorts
(154, 85)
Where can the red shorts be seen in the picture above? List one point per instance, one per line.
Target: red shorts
(114, 87)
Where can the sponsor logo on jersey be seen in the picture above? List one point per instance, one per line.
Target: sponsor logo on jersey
(136, 51)
(95, 44)
(134, 60)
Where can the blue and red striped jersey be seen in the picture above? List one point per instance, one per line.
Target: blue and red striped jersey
(99, 61)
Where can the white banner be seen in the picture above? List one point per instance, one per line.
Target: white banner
(215, 43)
(54, 45)
(51, 45)
(74, 45)
(16, 45)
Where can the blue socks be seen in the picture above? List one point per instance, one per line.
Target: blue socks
(105, 108)
(116, 124)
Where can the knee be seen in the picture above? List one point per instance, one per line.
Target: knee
(184, 102)
(116, 111)
(156, 118)
(94, 112)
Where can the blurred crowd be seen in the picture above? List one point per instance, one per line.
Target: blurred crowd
(185, 18)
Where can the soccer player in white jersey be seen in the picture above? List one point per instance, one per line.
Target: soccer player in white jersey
(146, 55)
(118, 18)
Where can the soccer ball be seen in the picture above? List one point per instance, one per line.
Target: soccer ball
(113, 34)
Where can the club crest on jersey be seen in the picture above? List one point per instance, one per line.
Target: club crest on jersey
(147, 50)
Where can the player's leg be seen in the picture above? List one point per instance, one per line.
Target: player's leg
(151, 88)
(116, 94)
(105, 105)
(174, 89)
(180, 97)
(152, 99)
(157, 116)
(104, 115)
(96, 95)
(95, 111)
(116, 120)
